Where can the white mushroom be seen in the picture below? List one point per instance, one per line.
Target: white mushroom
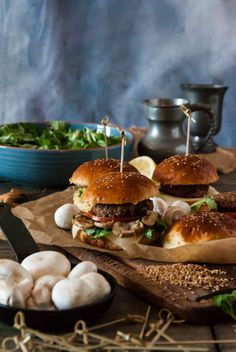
(172, 214)
(150, 219)
(31, 304)
(81, 269)
(12, 270)
(127, 229)
(98, 284)
(182, 204)
(10, 294)
(71, 293)
(42, 290)
(64, 214)
(46, 263)
(159, 205)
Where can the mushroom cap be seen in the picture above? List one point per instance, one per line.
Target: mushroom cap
(64, 214)
(98, 285)
(10, 294)
(71, 293)
(81, 269)
(46, 263)
(11, 270)
(41, 293)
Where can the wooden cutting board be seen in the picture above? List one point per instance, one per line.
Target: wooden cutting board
(189, 304)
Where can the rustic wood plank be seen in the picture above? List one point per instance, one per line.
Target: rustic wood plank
(178, 300)
(226, 332)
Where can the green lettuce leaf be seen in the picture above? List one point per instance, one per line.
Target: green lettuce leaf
(95, 232)
(204, 201)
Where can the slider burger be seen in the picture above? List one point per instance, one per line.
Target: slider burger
(199, 227)
(185, 176)
(115, 211)
(91, 170)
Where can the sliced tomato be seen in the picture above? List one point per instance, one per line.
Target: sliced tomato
(204, 207)
(106, 219)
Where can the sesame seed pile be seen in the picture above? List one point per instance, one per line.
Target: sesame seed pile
(186, 275)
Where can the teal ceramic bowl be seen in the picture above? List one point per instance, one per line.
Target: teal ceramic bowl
(53, 168)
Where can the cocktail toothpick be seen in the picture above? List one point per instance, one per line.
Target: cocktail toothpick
(105, 121)
(123, 142)
(188, 113)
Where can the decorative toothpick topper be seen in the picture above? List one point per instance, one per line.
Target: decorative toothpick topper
(105, 121)
(188, 113)
(123, 143)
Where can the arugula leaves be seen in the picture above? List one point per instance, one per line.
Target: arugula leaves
(160, 227)
(224, 302)
(56, 136)
(95, 232)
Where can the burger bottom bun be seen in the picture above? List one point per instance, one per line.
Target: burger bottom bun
(102, 242)
(199, 227)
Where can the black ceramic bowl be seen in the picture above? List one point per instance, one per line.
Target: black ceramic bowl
(60, 321)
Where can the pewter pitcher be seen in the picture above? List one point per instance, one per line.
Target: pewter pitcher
(212, 95)
(166, 135)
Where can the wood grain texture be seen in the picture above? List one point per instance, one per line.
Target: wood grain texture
(179, 300)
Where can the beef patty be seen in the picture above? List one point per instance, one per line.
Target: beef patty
(185, 191)
(226, 201)
(122, 210)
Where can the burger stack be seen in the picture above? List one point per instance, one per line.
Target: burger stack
(117, 209)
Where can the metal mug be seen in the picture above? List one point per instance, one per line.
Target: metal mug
(212, 95)
(166, 135)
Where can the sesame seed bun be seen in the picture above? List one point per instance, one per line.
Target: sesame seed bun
(185, 170)
(91, 170)
(120, 188)
(199, 227)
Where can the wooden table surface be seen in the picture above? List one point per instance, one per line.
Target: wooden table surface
(127, 303)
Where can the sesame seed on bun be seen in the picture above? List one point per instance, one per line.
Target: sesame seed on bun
(91, 170)
(185, 175)
(120, 188)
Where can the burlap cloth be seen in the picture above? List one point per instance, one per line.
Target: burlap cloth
(224, 159)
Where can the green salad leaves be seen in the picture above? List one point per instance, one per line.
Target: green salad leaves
(210, 203)
(57, 135)
(224, 301)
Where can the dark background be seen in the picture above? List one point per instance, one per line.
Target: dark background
(81, 59)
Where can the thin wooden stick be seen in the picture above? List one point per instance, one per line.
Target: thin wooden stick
(122, 133)
(141, 335)
(105, 121)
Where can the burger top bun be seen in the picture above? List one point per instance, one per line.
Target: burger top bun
(91, 170)
(120, 188)
(199, 227)
(185, 170)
